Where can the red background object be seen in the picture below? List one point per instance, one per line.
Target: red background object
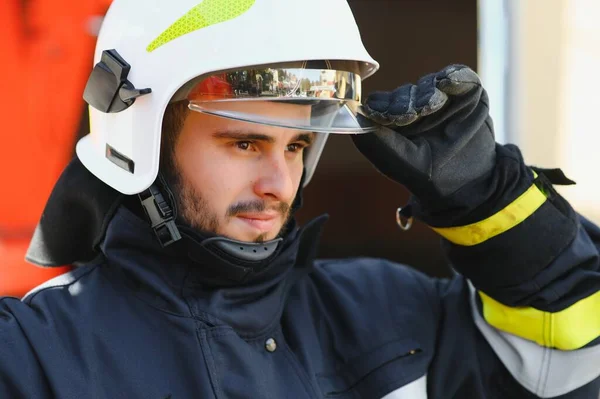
(46, 55)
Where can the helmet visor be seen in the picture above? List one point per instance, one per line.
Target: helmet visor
(327, 100)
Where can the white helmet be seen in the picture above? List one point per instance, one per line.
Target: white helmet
(149, 50)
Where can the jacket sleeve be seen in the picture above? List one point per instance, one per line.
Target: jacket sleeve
(21, 375)
(533, 270)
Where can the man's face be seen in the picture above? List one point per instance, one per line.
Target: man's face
(239, 179)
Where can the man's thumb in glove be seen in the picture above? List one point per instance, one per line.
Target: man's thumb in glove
(412, 102)
(438, 133)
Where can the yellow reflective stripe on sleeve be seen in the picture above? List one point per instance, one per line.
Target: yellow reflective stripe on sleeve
(476, 233)
(207, 13)
(569, 329)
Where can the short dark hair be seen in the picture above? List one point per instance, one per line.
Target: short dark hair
(172, 123)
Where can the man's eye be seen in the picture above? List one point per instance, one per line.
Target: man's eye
(243, 145)
(295, 147)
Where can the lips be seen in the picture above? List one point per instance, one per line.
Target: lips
(263, 222)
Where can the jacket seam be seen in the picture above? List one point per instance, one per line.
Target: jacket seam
(183, 296)
(302, 374)
(28, 299)
(210, 363)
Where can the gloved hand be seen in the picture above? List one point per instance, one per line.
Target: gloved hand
(436, 136)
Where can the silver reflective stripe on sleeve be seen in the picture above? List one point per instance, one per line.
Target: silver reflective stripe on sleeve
(415, 390)
(544, 371)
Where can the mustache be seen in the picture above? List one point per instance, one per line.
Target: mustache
(257, 206)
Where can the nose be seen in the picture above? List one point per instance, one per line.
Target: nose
(275, 182)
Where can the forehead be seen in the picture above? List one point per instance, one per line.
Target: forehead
(253, 110)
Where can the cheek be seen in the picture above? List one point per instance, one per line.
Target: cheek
(212, 174)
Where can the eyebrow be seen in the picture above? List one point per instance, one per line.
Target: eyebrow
(307, 138)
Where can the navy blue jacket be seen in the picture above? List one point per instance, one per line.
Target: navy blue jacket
(141, 323)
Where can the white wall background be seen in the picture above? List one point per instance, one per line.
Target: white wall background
(540, 62)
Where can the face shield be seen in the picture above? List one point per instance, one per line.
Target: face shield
(330, 98)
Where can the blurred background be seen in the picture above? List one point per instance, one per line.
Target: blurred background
(538, 60)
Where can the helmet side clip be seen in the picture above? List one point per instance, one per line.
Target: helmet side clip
(108, 89)
(161, 215)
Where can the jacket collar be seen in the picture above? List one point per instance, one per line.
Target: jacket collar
(245, 296)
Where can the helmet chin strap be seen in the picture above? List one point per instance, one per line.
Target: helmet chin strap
(158, 201)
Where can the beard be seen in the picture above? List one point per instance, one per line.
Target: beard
(194, 210)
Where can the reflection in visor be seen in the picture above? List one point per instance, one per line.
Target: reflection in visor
(289, 83)
(333, 96)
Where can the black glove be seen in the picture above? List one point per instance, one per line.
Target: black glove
(440, 135)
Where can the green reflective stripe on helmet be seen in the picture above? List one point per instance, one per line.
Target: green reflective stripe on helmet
(207, 13)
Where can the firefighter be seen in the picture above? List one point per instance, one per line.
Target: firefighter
(193, 278)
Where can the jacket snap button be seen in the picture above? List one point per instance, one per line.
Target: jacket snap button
(271, 345)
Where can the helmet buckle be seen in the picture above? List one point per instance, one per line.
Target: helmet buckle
(161, 216)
